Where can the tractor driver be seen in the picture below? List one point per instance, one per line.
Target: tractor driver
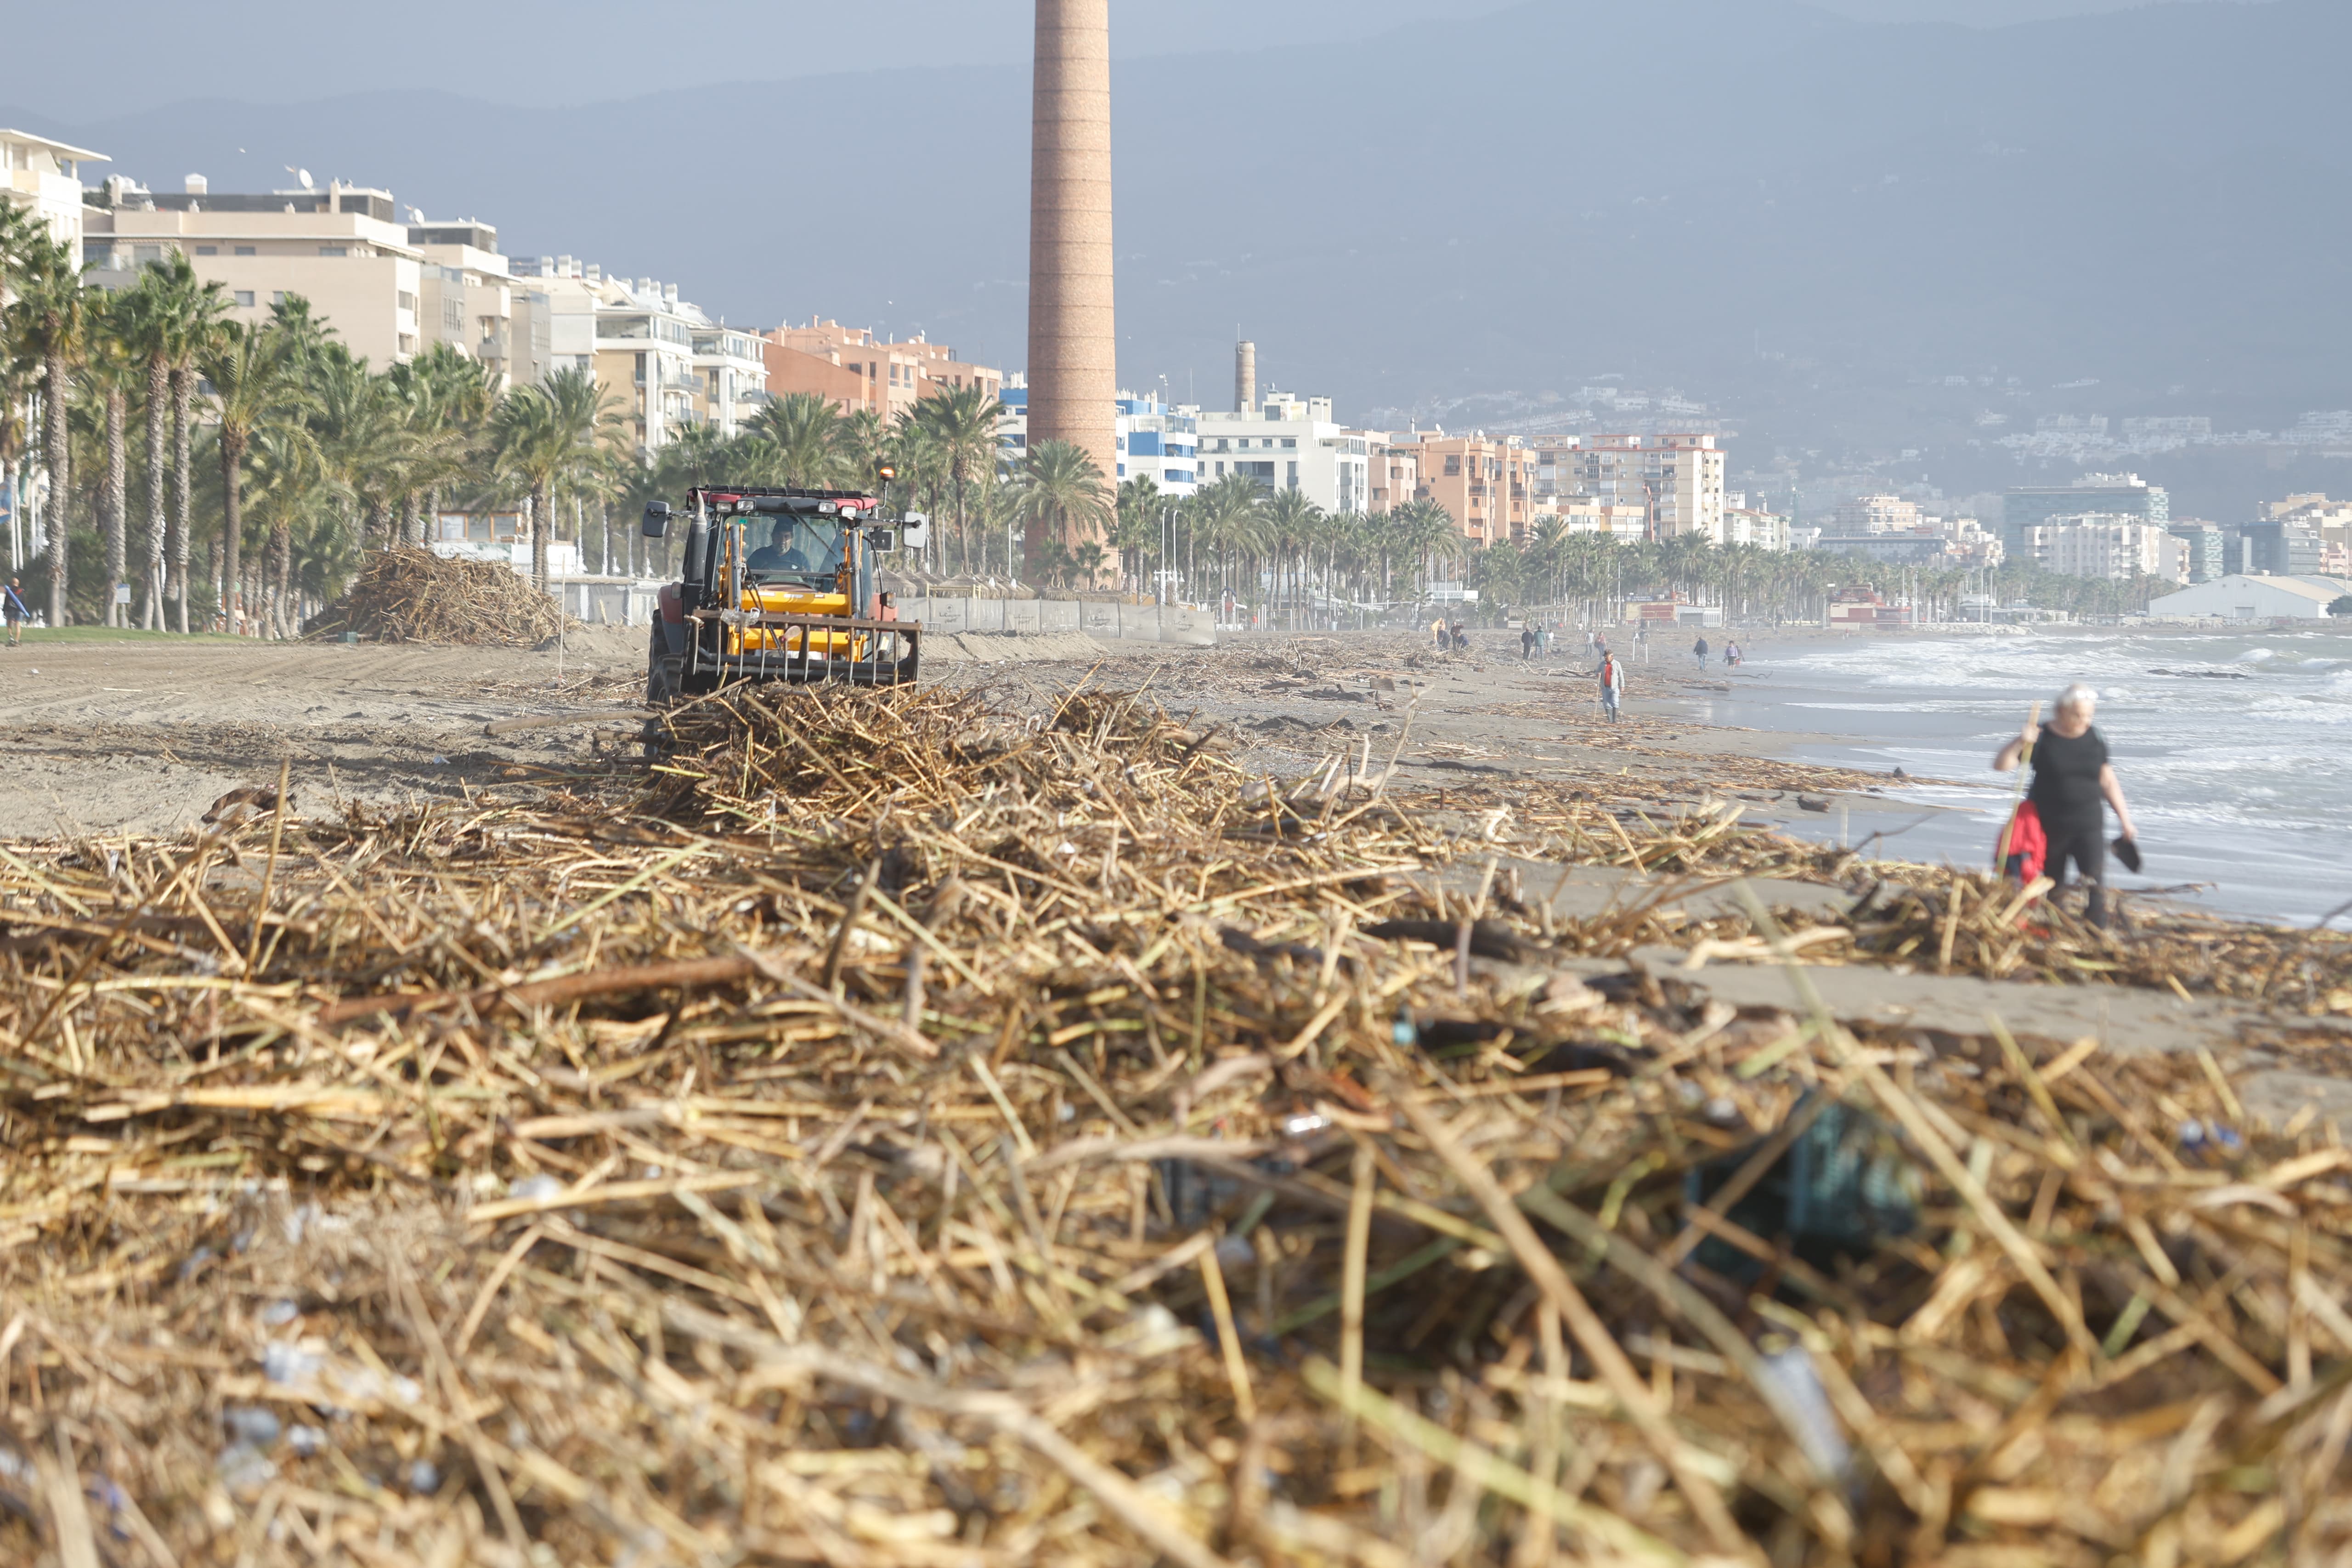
(785, 550)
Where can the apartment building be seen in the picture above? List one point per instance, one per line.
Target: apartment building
(640, 339)
(1288, 443)
(731, 367)
(1743, 525)
(1582, 514)
(2116, 546)
(466, 298)
(1485, 483)
(340, 248)
(44, 177)
(2330, 521)
(2125, 495)
(1877, 514)
(1393, 467)
(2206, 545)
(1678, 480)
(857, 372)
(1153, 439)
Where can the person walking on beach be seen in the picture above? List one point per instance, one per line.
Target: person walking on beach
(12, 602)
(1732, 657)
(1527, 642)
(2072, 781)
(1613, 683)
(1698, 651)
(1437, 630)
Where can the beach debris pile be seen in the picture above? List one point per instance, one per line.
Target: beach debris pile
(892, 1130)
(411, 594)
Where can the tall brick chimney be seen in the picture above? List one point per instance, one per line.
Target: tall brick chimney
(1073, 341)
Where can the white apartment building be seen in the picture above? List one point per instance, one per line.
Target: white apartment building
(2111, 545)
(639, 339)
(1581, 514)
(1748, 525)
(1677, 479)
(1288, 443)
(339, 248)
(1155, 441)
(467, 299)
(733, 372)
(45, 176)
(1877, 514)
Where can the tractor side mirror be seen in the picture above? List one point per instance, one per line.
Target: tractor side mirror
(656, 524)
(882, 540)
(915, 530)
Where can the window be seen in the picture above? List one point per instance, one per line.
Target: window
(208, 251)
(407, 300)
(143, 254)
(409, 342)
(453, 316)
(277, 296)
(247, 250)
(244, 297)
(334, 250)
(1452, 467)
(1291, 442)
(1293, 473)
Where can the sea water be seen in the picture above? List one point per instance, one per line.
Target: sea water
(2233, 747)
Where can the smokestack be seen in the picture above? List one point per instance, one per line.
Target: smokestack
(1244, 376)
(1073, 343)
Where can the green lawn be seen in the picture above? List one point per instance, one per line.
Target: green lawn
(37, 637)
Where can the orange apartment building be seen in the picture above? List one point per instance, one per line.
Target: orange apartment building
(1393, 473)
(1485, 483)
(857, 372)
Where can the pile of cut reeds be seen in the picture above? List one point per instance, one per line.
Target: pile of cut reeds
(409, 594)
(900, 1129)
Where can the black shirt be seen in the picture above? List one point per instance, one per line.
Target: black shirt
(2066, 776)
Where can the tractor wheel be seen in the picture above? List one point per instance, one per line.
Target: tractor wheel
(659, 687)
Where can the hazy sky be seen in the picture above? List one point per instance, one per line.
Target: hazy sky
(582, 51)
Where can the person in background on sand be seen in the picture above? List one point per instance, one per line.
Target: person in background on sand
(1437, 630)
(1731, 654)
(1612, 676)
(1527, 642)
(12, 602)
(1461, 638)
(2072, 781)
(1698, 651)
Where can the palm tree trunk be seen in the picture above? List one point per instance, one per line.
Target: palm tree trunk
(57, 450)
(159, 383)
(182, 380)
(232, 453)
(117, 507)
(281, 567)
(542, 520)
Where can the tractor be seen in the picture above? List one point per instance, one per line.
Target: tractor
(778, 584)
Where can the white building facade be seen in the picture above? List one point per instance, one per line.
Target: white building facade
(1290, 443)
(44, 177)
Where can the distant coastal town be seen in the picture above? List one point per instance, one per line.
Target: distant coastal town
(358, 375)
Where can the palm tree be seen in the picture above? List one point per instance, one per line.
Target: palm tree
(50, 322)
(112, 362)
(964, 423)
(1292, 523)
(145, 320)
(859, 441)
(1139, 506)
(257, 378)
(799, 427)
(1063, 499)
(195, 315)
(547, 437)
